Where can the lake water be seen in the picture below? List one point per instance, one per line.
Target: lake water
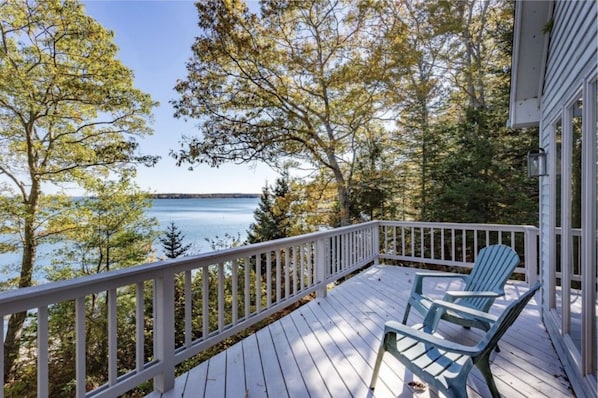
(200, 219)
(197, 219)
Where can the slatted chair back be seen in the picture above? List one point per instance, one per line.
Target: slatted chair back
(504, 322)
(492, 268)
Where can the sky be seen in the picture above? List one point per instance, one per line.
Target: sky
(154, 40)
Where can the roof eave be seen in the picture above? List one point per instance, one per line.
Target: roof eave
(530, 48)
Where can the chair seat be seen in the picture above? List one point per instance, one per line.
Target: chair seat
(430, 363)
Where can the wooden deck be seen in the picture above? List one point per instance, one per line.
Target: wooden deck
(327, 348)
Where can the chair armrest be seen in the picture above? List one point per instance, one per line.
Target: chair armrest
(440, 275)
(419, 335)
(419, 278)
(452, 295)
(446, 305)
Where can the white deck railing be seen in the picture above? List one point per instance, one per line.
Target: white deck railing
(456, 245)
(198, 301)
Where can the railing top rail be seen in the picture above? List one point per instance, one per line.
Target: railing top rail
(499, 227)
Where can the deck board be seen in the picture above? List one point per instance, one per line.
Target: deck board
(327, 348)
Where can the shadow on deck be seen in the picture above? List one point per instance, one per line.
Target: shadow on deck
(327, 348)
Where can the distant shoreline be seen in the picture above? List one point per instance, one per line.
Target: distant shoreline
(203, 195)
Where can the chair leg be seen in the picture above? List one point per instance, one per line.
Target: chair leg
(381, 351)
(458, 390)
(484, 365)
(407, 309)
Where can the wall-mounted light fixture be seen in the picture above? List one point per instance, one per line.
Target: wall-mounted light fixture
(536, 163)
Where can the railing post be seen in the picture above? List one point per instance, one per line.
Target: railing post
(376, 242)
(321, 266)
(164, 331)
(531, 254)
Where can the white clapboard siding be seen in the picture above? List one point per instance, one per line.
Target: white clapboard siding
(571, 53)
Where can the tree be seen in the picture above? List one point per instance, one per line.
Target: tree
(272, 216)
(68, 113)
(111, 231)
(372, 190)
(172, 242)
(300, 80)
(421, 80)
(480, 177)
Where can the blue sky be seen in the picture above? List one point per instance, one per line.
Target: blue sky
(155, 40)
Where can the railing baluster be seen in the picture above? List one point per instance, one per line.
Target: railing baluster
(247, 287)
(164, 331)
(205, 301)
(258, 283)
(235, 291)
(112, 338)
(301, 267)
(139, 326)
(432, 244)
(268, 279)
(287, 282)
(464, 245)
(359, 242)
(220, 296)
(334, 254)
(348, 249)
(294, 269)
(453, 247)
(422, 243)
(188, 308)
(80, 347)
(385, 238)
(278, 276)
(344, 250)
(403, 241)
(42, 352)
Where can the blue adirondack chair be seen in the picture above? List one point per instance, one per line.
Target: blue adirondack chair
(492, 267)
(443, 364)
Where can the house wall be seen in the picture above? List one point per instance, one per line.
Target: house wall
(571, 63)
(571, 53)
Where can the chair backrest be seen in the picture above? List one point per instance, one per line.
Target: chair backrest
(504, 321)
(492, 267)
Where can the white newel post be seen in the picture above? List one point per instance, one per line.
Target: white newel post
(321, 266)
(376, 242)
(531, 254)
(164, 332)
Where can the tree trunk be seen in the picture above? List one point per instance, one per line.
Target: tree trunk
(14, 331)
(343, 193)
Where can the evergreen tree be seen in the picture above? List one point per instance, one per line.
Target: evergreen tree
(172, 242)
(272, 217)
(480, 177)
